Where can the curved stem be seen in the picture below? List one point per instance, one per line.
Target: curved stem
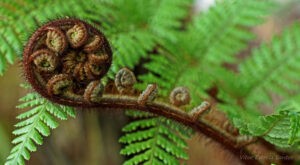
(174, 113)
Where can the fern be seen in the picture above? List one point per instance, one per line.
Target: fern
(271, 128)
(161, 24)
(189, 60)
(271, 70)
(19, 18)
(212, 39)
(276, 69)
(133, 37)
(153, 140)
(36, 123)
(180, 51)
(224, 30)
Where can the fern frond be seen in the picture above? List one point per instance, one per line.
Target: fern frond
(183, 63)
(212, 39)
(153, 139)
(224, 30)
(133, 37)
(36, 123)
(271, 127)
(272, 69)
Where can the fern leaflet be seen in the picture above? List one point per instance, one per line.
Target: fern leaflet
(153, 140)
(271, 128)
(272, 69)
(36, 123)
(214, 38)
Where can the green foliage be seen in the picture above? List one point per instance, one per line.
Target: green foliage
(36, 123)
(272, 68)
(281, 129)
(180, 48)
(162, 20)
(153, 140)
(211, 39)
(270, 71)
(133, 37)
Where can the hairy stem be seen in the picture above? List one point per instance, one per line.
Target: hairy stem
(174, 113)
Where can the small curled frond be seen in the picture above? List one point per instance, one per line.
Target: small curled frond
(124, 81)
(58, 84)
(148, 94)
(180, 96)
(56, 40)
(93, 44)
(77, 35)
(94, 91)
(44, 60)
(196, 112)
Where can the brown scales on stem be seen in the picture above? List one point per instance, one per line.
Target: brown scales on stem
(64, 61)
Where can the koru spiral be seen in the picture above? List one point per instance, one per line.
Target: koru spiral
(64, 61)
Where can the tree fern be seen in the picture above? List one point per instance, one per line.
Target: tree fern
(180, 51)
(153, 140)
(36, 123)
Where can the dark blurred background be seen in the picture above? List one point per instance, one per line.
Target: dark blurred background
(92, 138)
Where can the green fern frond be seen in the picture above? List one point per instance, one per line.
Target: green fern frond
(271, 127)
(272, 69)
(152, 139)
(36, 123)
(187, 61)
(214, 38)
(133, 37)
(224, 30)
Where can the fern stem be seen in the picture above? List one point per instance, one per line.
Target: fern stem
(118, 102)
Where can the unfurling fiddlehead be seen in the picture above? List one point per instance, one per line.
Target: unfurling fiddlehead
(65, 60)
(67, 57)
(124, 81)
(180, 96)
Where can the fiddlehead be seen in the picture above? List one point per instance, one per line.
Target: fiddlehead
(56, 40)
(180, 96)
(67, 57)
(124, 81)
(65, 60)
